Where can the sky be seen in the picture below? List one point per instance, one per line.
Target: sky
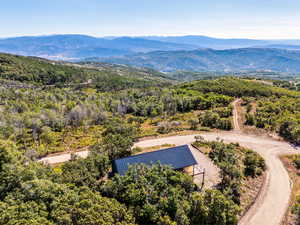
(260, 19)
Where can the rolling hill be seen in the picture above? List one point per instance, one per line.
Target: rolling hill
(231, 60)
(44, 73)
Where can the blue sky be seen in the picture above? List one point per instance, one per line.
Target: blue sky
(219, 18)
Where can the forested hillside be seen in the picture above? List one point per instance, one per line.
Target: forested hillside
(37, 71)
(229, 60)
(51, 107)
(182, 75)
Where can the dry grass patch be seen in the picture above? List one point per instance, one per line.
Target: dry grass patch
(294, 173)
(250, 191)
(153, 148)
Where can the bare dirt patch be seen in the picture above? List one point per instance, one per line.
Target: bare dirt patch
(250, 190)
(212, 172)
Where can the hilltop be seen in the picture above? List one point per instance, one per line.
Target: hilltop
(38, 71)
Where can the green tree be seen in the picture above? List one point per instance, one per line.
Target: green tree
(118, 138)
(84, 207)
(10, 166)
(156, 193)
(86, 172)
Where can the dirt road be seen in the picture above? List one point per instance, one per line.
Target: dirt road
(236, 125)
(273, 201)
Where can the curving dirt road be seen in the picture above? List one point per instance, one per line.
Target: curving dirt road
(272, 202)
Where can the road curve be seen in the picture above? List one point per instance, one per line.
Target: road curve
(272, 202)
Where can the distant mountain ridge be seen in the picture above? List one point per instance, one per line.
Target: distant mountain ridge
(232, 60)
(77, 47)
(281, 46)
(209, 42)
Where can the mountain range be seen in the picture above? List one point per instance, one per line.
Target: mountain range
(230, 60)
(164, 53)
(78, 47)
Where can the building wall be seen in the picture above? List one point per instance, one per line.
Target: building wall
(188, 170)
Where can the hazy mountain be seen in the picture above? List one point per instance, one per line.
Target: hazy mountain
(244, 59)
(281, 46)
(223, 43)
(209, 42)
(75, 47)
(78, 47)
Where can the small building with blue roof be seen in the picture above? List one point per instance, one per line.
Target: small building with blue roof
(179, 158)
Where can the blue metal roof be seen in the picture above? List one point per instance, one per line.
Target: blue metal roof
(177, 157)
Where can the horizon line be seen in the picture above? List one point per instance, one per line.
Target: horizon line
(141, 36)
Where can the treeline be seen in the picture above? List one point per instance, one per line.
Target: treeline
(238, 88)
(157, 101)
(280, 115)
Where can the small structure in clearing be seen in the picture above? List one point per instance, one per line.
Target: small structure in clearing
(179, 158)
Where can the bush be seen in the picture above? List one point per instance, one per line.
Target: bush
(213, 120)
(254, 164)
(250, 119)
(85, 172)
(296, 161)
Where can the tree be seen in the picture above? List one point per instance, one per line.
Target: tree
(209, 119)
(9, 167)
(193, 124)
(213, 207)
(18, 212)
(46, 202)
(118, 138)
(254, 164)
(86, 207)
(250, 119)
(86, 172)
(156, 193)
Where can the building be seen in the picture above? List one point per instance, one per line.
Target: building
(179, 158)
